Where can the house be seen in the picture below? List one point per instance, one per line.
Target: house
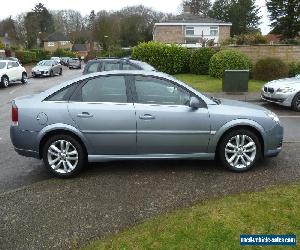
(81, 50)
(6, 41)
(57, 40)
(191, 30)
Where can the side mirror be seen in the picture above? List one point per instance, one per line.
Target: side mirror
(194, 103)
(9, 66)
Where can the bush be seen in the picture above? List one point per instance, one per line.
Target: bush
(171, 59)
(294, 69)
(199, 63)
(63, 53)
(41, 54)
(26, 56)
(246, 39)
(268, 69)
(227, 60)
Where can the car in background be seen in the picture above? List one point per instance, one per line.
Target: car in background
(74, 63)
(285, 92)
(130, 115)
(47, 68)
(56, 59)
(12, 71)
(64, 61)
(107, 64)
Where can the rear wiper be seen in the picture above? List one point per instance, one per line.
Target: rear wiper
(216, 100)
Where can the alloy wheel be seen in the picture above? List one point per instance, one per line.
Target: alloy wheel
(240, 151)
(62, 156)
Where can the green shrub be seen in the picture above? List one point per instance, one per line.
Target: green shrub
(246, 39)
(171, 59)
(63, 53)
(26, 56)
(294, 69)
(227, 60)
(41, 54)
(199, 63)
(268, 69)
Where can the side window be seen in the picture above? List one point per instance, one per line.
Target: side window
(152, 90)
(127, 66)
(15, 64)
(63, 94)
(10, 65)
(107, 66)
(93, 68)
(105, 89)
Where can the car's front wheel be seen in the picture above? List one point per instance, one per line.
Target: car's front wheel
(240, 150)
(60, 72)
(296, 102)
(63, 156)
(4, 81)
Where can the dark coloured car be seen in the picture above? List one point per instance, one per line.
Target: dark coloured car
(108, 64)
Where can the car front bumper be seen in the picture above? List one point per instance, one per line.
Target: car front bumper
(273, 141)
(284, 99)
(40, 73)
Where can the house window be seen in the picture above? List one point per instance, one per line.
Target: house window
(64, 42)
(50, 44)
(214, 31)
(189, 31)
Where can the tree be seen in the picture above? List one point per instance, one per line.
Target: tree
(285, 17)
(243, 14)
(198, 7)
(8, 26)
(1, 45)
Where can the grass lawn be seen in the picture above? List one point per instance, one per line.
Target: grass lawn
(216, 224)
(206, 83)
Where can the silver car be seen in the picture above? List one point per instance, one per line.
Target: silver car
(74, 63)
(47, 68)
(121, 115)
(285, 92)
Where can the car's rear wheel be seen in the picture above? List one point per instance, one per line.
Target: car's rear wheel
(296, 102)
(63, 156)
(240, 150)
(4, 81)
(51, 73)
(24, 79)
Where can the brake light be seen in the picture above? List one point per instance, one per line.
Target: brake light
(14, 114)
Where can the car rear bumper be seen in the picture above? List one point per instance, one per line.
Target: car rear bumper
(24, 142)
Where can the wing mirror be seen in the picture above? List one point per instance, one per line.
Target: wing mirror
(9, 66)
(194, 103)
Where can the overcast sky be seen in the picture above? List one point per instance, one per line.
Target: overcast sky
(14, 7)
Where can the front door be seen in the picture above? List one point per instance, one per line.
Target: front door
(165, 122)
(104, 115)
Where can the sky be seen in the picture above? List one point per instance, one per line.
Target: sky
(15, 7)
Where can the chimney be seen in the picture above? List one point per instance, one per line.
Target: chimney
(186, 9)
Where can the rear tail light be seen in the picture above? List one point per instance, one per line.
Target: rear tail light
(14, 114)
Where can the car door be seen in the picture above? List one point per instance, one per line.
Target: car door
(165, 122)
(12, 71)
(105, 115)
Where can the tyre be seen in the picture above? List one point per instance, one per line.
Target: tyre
(296, 102)
(240, 150)
(4, 81)
(60, 72)
(24, 79)
(63, 156)
(51, 73)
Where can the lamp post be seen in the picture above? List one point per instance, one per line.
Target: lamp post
(107, 44)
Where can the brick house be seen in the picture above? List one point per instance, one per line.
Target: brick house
(190, 30)
(57, 40)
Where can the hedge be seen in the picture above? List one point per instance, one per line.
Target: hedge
(41, 54)
(294, 69)
(171, 59)
(25, 56)
(199, 63)
(227, 60)
(63, 53)
(269, 68)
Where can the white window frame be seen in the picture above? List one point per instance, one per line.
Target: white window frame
(64, 43)
(214, 30)
(51, 44)
(188, 29)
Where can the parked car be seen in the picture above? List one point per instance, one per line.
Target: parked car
(56, 59)
(11, 71)
(64, 61)
(74, 63)
(285, 92)
(121, 115)
(107, 64)
(47, 68)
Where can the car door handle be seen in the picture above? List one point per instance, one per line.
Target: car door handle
(85, 115)
(147, 117)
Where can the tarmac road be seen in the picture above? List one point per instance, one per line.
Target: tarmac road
(41, 212)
